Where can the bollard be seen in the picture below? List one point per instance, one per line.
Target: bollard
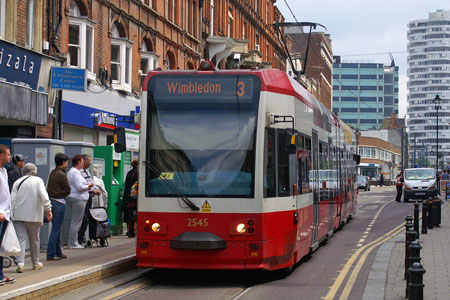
(424, 217)
(408, 222)
(416, 218)
(414, 257)
(437, 212)
(416, 285)
(430, 213)
(410, 236)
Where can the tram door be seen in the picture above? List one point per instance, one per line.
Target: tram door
(315, 186)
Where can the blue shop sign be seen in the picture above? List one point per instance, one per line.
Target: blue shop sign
(19, 66)
(69, 79)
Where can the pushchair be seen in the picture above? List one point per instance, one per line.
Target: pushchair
(98, 226)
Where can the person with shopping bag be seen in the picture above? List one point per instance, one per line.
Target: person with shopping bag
(5, 205)
(29, 202)
(102, 198)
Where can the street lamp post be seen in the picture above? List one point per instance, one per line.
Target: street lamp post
(437, 102)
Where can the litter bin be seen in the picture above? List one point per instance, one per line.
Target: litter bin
(436, 207)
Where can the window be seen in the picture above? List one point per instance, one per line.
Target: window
(149, 61)
(230, 22)
(30, 24)
(243, 29)
(212, 18)
(120, 61)
(269, 164)
(186, 21)
(2, 18)
(283, 164)
(81, 40)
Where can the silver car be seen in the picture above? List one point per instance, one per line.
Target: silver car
(363, 182)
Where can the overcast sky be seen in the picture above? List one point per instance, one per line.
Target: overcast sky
(366, 27)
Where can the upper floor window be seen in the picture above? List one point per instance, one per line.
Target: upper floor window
(149, 60)
(2, 18)
(170, 10)
(121, 57)
(29, 41)
(81, 39)
(212, 18)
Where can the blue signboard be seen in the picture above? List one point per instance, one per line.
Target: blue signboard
(68, 79)
(19, 65)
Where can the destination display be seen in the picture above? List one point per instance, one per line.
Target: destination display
(201, 87)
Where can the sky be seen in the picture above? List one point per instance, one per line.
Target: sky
(363, 30)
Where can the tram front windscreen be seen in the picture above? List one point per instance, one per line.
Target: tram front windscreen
(201, 135)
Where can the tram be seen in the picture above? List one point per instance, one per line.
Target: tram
(239, 169)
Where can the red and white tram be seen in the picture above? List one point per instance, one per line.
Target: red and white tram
(239, 170)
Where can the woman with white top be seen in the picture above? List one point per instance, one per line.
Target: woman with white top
(79, 196)
(29, 200)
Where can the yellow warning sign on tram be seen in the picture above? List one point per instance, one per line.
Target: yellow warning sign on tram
(206, 207)
(167, 175)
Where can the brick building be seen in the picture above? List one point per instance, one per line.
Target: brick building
(319, 66)
(116, 41)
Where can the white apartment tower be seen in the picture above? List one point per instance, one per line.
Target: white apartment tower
(429, 75)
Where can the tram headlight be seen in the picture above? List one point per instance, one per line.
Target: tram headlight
(156, 227)
(241, 228)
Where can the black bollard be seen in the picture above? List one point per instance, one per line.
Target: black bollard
(408, 222)
(410, 236)
(414, 257)
(416, 285)
(424, 217)
(430, 213)
(416, 218)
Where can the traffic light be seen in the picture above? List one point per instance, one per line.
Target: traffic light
(119, 140)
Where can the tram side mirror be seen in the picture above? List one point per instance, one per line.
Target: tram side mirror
(119, 140)
(291, 149)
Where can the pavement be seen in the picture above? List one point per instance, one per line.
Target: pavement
(385, 279)
(81, 268)
(90, 265)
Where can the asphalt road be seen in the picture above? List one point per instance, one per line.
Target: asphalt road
(337, 270)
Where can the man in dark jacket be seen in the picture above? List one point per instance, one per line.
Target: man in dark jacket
(58, 188)
(130, 201)
(15, 170)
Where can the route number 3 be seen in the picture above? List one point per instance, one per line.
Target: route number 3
(240, 89)
(197, 222)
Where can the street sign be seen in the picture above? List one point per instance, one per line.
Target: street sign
(68, 79)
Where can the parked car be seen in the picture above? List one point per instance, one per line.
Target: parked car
(420, 183)
(363, 182)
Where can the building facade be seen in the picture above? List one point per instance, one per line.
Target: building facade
(319, 66)
(117, 42)
(428, 75)
(378, 155)
(364, 92)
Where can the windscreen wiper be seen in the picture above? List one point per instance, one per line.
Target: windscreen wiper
(171, 186)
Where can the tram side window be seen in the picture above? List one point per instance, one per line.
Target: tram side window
(283, 164)
(304, 166)
(269, 164)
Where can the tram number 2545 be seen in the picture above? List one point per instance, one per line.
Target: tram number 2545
(197, 222)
